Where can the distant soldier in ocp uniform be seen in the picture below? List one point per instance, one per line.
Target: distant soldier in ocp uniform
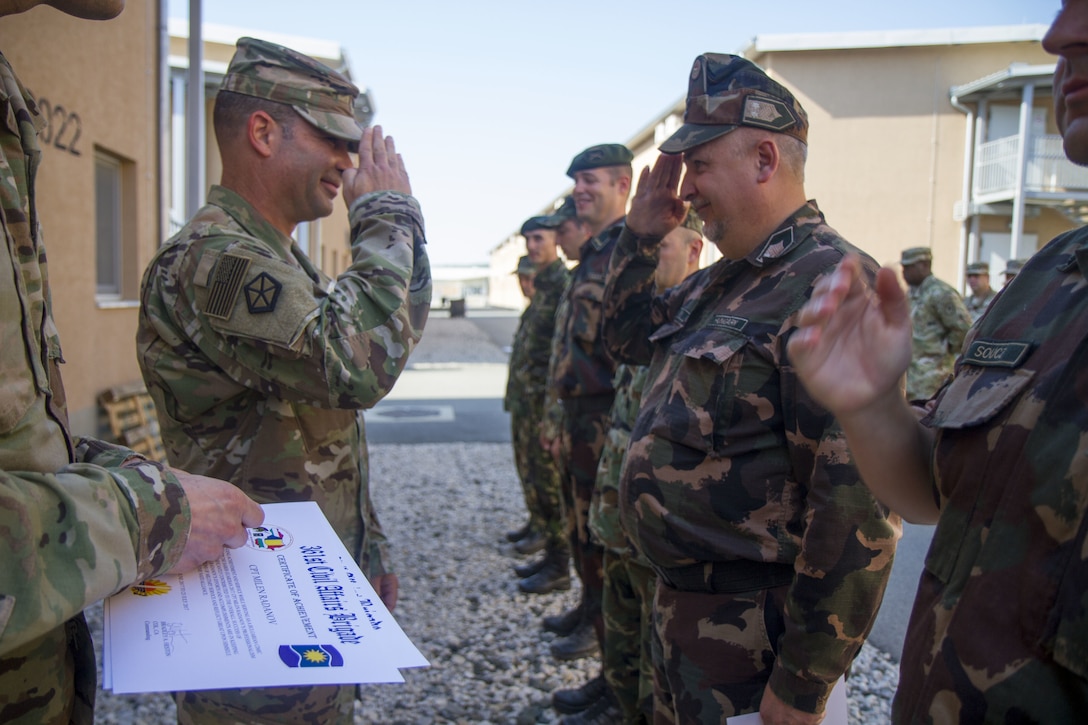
(1012, 268)
(982, 294)
(260, 364)
(940, 322)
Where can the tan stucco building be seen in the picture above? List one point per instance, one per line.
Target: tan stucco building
(110, 184)
(938, 138)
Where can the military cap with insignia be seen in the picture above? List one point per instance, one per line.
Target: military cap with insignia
(538, 222)
(565, 211)
(978, 268)
(526, 268)
(322, 96)
(595, 157)
(914, 255)
(728, 91)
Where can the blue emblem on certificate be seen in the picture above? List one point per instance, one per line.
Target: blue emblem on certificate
(310, 655)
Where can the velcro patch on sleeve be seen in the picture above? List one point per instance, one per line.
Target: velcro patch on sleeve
(226, 283)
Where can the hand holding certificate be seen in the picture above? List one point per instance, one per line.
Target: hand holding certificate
(291, 607)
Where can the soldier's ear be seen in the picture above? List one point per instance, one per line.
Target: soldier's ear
(261, 133)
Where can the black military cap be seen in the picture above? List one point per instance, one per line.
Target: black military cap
(538, 222)
(565, 211)
(727, 91)
(606, 154)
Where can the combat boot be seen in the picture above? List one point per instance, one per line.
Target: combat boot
(606, 711)
(553, 576)
(564, 623)
(579, 698)
(518, 534)
(533, 542)
(582, 642)
(530, 568)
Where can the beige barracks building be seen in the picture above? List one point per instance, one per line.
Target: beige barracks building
(111, 184)
(936, 138)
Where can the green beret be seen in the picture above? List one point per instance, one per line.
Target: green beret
(538, 222)
(525, 267)
(607, 154)
(978, 268)
(319, 94)
(727, 91)
(915, 255)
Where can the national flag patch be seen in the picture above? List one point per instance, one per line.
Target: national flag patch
(227, 278)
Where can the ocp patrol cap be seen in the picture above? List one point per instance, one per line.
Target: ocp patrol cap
(913, 255)
(321, 95)
(595, 157)
(727, 91)
(978, 268)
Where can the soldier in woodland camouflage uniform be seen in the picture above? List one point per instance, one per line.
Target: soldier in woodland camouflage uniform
(79, 519)
(552, 571)
(999, 630)
(629, 582)
(940, 323)
(260, 365)
(982, 294)
(580, 373)
(514, 402)
(771, 554)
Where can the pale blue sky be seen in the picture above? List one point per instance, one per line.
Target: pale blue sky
(489, 100)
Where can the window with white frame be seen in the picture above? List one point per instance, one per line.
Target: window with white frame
(109, 225)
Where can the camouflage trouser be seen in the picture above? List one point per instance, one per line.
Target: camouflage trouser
(538, 471)
(316, 705)
(713, 653)
(587, 421)
(521, 439)
(51, 679)
(628, 622)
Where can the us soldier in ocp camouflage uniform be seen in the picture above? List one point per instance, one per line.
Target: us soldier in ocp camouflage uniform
(580, 372)
(999, 629)
(552, 571)
(627, 604)
(982, 294)
(771, 555)
(940, 323)
(260, 365)
(1012, 268)
(80, 519)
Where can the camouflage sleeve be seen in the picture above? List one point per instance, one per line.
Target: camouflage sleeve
(628, 298)
(339, 347)
(538, 339)
(847, 548)
(376, 557)
(951, 311)
(118, 525)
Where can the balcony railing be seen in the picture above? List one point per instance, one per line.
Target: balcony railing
(1047, 170)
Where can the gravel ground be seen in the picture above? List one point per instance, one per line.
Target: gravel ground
(445, 508)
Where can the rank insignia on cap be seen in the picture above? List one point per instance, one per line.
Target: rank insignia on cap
(770, 113)
(230, 270)
(262, 293)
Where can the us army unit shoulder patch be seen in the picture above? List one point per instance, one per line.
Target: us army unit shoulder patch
(262, 292)
(230, 270)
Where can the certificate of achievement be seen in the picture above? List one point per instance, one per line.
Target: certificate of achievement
(291, 607)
